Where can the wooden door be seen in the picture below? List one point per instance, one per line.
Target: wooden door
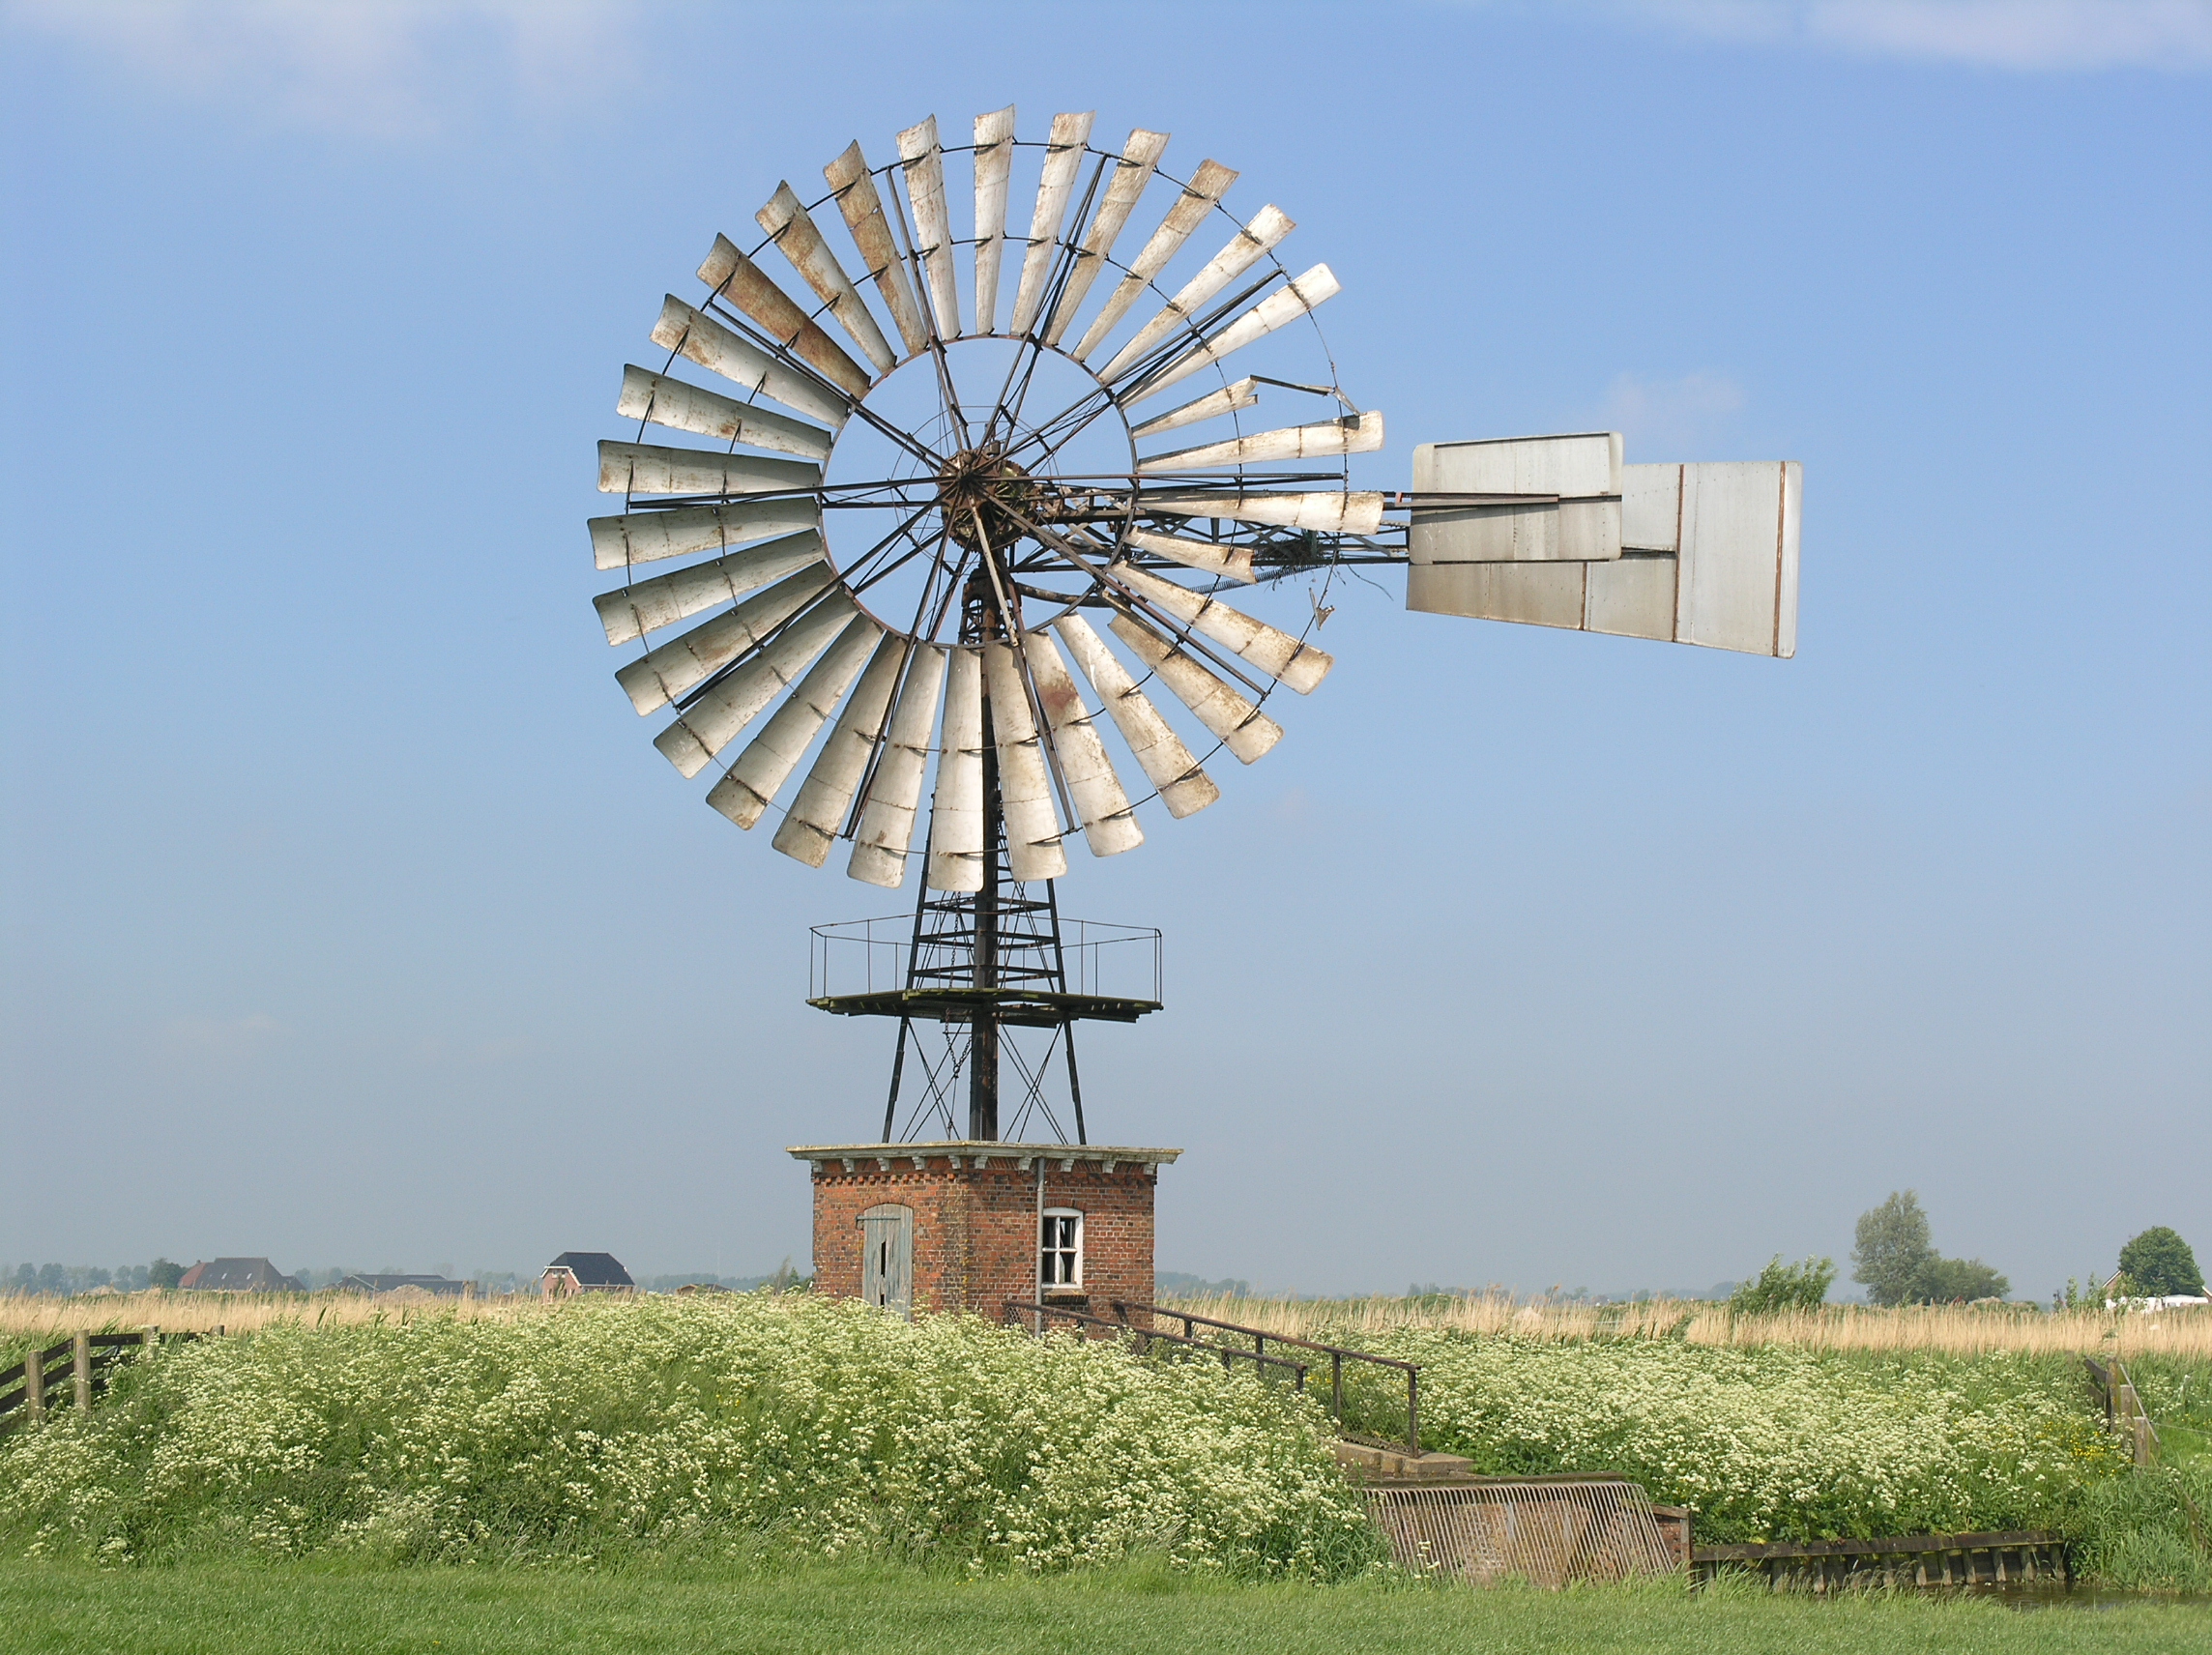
(887, 1258)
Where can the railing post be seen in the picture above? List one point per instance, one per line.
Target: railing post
(80, 1364)
(1413, 1410)
(35, 1385)
(151, 1337)
(1336, 1385)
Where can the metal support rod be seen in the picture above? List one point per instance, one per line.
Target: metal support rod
(898, 1064)
(984, 1027)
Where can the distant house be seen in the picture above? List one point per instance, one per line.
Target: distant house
(404, 1287)
(238, 1275)
(584, 1272)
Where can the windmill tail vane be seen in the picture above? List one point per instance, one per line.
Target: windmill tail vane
(932, 522)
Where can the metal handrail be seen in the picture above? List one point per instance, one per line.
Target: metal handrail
(1260, 1359)
(1337, 1354)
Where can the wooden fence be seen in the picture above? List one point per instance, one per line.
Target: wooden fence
(73, 1372)
(2025, 1557)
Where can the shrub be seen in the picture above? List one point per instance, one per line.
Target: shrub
(1785, 1287)
(1957, 1281)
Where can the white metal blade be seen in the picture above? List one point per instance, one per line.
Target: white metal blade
(924, 163)
(750, 785)
(894, 794)
(1109, 825)
(800, 240)
(744, 284)
(1238, 725)
(677, 667)
(1232, 563)
(1200, 196)
(650, 536)
(1577, 517)
(1739, 556)
(956, 809)
(1357, 434)
(644, 468)
(693, 334)
(1064, 154)
(1131, 173)
(863, 210)
(1033, 850)
(1303, 294)
(1183, 788)
(1272, 649)
(714, 721)
(1345, 511)
(1269, 226)
(1227, 400)
(664, 401)
(818, 814)
(993, 162)
(651, 604)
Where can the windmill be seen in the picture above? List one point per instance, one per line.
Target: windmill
(990, 494)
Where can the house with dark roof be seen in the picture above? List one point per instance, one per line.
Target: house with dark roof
(238, 1275)
(409, 1287)
(584, 1272)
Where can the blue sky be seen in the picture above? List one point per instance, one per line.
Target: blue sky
(351, 917)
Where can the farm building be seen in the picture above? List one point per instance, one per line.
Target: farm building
(411, 1287)
(975, 1226)
(584, 1272)
(238, 1275)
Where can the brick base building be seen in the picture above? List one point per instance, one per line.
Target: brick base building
(969, 1226)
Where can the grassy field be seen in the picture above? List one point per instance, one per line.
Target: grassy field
(858, 1609)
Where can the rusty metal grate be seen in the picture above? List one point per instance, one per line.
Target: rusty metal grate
(1544, 1531)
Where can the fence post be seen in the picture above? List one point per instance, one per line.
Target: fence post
(80, 1364)
(150, 1336)
(35, 1385)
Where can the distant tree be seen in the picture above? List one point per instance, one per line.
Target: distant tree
(1892, 1249)
(162, 1273)
(2159, 1262)
(1952, 1281)
(1785, 1287)
(26, 1277)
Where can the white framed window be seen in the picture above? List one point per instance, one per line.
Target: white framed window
(1060, 1256)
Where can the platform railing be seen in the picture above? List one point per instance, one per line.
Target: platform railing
(1042, 1316)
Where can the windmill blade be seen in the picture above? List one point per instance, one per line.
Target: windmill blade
(956, 809)
(1183, 788)
(697, 336)
(1303, 295)
(1356, 434)
(1713, 560)
(923, 163)
(1574, 517)
(1238, 725)
(1140, 155)
(797, 237)
(818, 814)
(736, 278)
(651, 536)
(994, 164)
(651, 604)
(734, 700)
(1033, 850)
(1109, 824)
(1227, 400)
(664, 401)
(750, 785)
(689, 659)
(1231, 562)
(887, 820)
(1064, 154)
(1200, 196)
(855, 186)
(1269, 225)
(1272, 649)
(642, 468)
(1340, 512)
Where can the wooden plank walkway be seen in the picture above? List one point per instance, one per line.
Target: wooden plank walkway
(2014, 1558)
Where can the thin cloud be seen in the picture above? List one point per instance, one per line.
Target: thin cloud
(2030, 35)
(392, 70)
(1670, 419)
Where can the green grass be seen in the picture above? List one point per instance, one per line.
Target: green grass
(855, 1609)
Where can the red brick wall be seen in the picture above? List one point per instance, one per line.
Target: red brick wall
(975, 1231)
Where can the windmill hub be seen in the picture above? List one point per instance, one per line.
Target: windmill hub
(982, 493)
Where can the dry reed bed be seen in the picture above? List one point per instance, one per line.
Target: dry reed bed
(1956, 1330)
(24, 1317)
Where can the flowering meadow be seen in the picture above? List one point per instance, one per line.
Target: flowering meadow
(722, 1423)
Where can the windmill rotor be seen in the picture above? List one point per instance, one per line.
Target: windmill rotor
(911, 518)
